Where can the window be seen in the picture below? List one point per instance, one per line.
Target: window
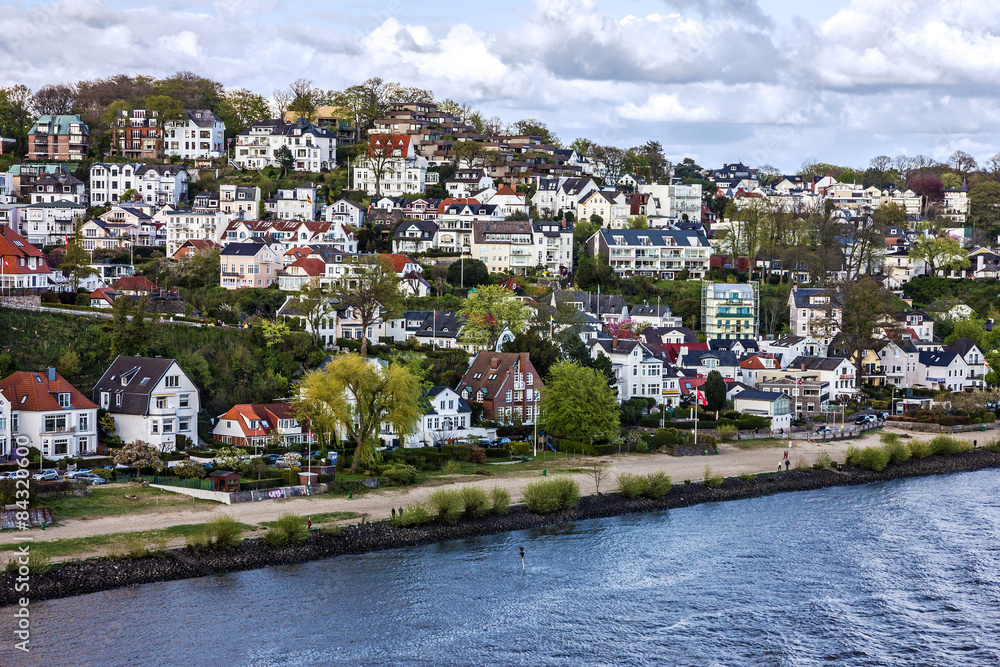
(509, 395)
(118, 400)
(55, 423)
(13, 423)
(173, 381)
(183, 400)
(161, 402)
(155, 427)
(60, 446)
(168, 427)
(105, 400)
(83, 423)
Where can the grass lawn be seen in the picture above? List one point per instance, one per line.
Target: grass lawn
(759, 443)
(85, 545)
(322, 517)
(113, 500)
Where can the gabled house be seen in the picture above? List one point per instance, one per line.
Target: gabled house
(414, 236)
(808, 398)
(974, 359)
(611, 206)
(751, 367)
(654, 316)
(791, 346)
(467, 182)
(815, 313)
(150, 399)
(51, 413)
(839, 373)
(447, 417)
(252, 264)
(638, 371)
(506, 384)
(943, 371)
(257, 425)
(22, 265)
(775, 405)
(346, 212)
(704, 362)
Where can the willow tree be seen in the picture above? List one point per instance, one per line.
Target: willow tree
(360, 396)
(577, 401)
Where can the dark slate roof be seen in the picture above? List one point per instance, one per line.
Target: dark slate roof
(816, 363)
(609, 303)
(202, 117)
(725, 357)
(937, 358)
(441, 324)
(242, 249)
(161, 169)
(625, 345)
(802, 295)
(657, 237)
(755, 395)
(427, 229)
(961, 346)
(141, 373)
(723, 344)
(647, 310)
(434, 391)
(658, 333)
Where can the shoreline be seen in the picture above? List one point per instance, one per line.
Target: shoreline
(74, 578)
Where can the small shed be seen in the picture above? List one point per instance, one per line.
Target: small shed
(225, 481)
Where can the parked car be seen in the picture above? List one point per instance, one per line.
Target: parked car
(48, 475)
(90, 478)
(824, 429)
(14, 474)
(271, 459)
(77, 473)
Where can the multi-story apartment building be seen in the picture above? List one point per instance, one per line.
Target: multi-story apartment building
(312, 148)
(809, 398)
(661, 253)
(51, 413)
(60, 187)
(183, 226)
(815, 313)
(639, 373)
(109, 181)
(504, 246)
(293, 203)
(59, 137)
(50, 223)
(239, 202)
(729, 311)
(152, 400)
(391, 167)
(553, 246)
(137, 135)
(162, 184)
(23, 176)
(200, 135)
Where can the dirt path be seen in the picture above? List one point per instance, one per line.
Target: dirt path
(377, 505)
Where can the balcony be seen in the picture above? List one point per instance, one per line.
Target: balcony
(58, 429)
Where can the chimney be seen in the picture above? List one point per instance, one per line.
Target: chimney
(614, 342)
(51, 376)
(802, 366)
(494, 362)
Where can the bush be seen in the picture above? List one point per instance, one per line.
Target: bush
(665, 437)
(823, 461)
(189, 470)
(726, 433)
(632, 486)
(945, 445)
(475, 500)
(993, 446)
(897, 451)
(552, 495)
(658, 485)
(288, 529)
(642, 447)
(919, 449)
(947, 421)
(712, 480)
(446, 505)
(500, 499)
(520, 448)
(869, 458)
(888, 438)
(223, 532)
(399, 474)
(989, 417)
(477, 455)
(413, 515)
(104, 473)
(451, 467)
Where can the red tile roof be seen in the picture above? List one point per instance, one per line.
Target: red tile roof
(271, 413)
(398, 261)
(134, 284)
(14, 249)
(34, 392)
(312, 266)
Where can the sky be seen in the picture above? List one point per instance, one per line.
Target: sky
(758, 81)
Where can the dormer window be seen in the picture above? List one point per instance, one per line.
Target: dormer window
(63, 400)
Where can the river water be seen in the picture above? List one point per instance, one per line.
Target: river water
(901, 573)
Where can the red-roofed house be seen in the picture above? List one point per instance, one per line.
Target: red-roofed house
(193, 247)
(51, 413)
(508, 201)
(134, 285)
(391, 167)
(755, 364)
(410, 274)
(300, 273)
(254, 425)
(103, 297)
(22, 265)
(505, 383)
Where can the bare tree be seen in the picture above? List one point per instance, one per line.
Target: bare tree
(903, 165)
(54, 99)
(282, 98)
(963, 162)
(993, 165)
(598, 471)
(380, 158)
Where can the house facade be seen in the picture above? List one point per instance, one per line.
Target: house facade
(312, 148)
(137, 135)
(200, 135)
(256, 425)
(51, 413)
(506, 384)
(63, 138)
(658, 253)
(729, 311)
(251, 264)
(150, 399)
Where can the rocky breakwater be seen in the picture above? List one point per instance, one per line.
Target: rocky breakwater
(77, 578)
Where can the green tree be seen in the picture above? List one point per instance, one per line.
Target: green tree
(577, 401)
(371, 289)
(128, 332)
(16, 117)
(240, 108)
(315, 306)
(69, 364)
(940, 253)
(76, 262)
(473, 271)
(638, 222)
(359, 396)
(128, 196)
(166, 109)
(971, 329)
(715, 391)
(283, 156)
(542, 352)
(488, 310)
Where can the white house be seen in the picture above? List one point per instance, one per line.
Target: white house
(58, 187)
(293, 203)
(346, 212)
(312, 148)
(252, 425)
(943, 371)
(5, 440)
(161, 184)
(202, 134)
(561, 194)
(467, 182)
(393, 165)
(51, 413)
(840, 373)
(447, 417)
(773, 404)
(109, 181)
(152, 400)
(638, 371)
(791, 346)
(50, 223)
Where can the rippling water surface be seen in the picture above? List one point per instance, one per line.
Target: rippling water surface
(903, 573)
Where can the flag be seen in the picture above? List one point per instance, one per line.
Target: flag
(701, 397)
